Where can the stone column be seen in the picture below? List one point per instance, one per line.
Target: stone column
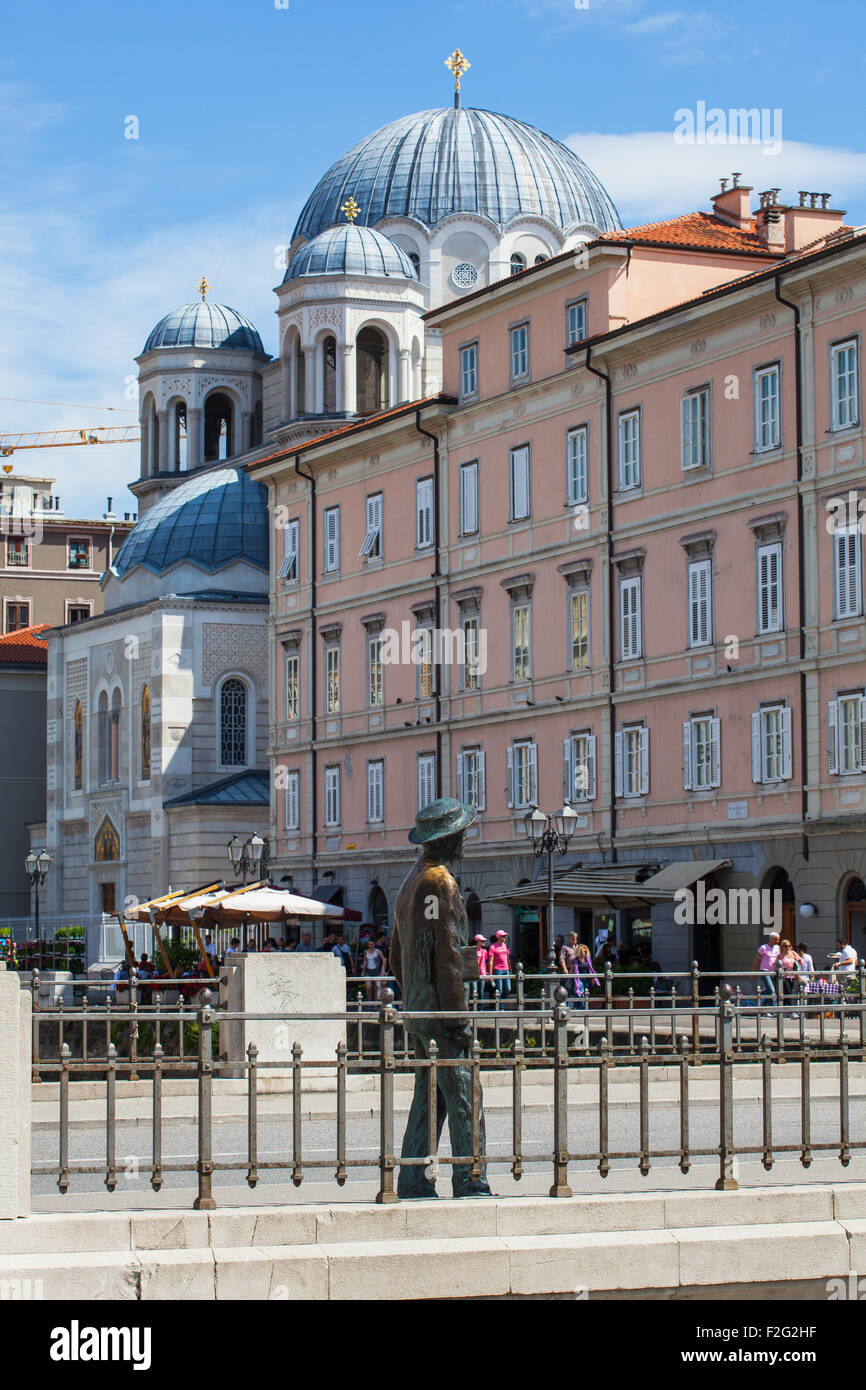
(403, 376)
(193, 443)
(347, 393)
(15, 1060)
(246, 430)
(162, 417)
(310, 381)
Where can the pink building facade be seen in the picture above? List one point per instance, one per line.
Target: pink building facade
(632, 528)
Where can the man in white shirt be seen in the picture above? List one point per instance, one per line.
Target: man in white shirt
(845, 958)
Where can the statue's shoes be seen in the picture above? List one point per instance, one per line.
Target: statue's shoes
(474, 1189)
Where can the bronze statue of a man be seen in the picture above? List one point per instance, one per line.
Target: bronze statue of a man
(431, 934)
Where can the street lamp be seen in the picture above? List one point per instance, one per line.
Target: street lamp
(550, 834)
(249, 857)
(36, 867)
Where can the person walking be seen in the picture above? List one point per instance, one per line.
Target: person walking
(789, 962)
(483, 954)
(499, 958)
(373, 969)
(585, 977)
(567, 960)
(765, 963)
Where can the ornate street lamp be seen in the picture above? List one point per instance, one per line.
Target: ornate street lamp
(249, 858)
(550, 834)
(36, 866)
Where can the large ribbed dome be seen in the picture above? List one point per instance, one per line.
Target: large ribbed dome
(349, 250)
(206, 326)
(216, 518)
(458, 159)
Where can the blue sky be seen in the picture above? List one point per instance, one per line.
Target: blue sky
(242, 106)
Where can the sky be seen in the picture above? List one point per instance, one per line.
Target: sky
(240, 106)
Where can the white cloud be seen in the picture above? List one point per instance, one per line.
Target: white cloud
(650, 176)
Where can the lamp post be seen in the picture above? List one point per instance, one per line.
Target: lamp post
(249, 857)
(36, 867)
(550, 834)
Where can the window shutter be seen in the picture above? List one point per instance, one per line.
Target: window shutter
(460, 780)
(687, 756)
(370, 811)
(644, 761)
(567, 770)
(480, 781)
(687, 431)
(509, 777)
(769, 588)
(757, 760)
(533, 773)
(832, 736)
(847, 572)
(787, 758)
(636, 618)
(469, 497)
(590, 768)
(716, 752)
(332, 539)
(617, 763)
(519, 483)
(424, 512)
(863, 733)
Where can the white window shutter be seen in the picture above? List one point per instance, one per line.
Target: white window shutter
(832, 736)
(644, 762)
(424, 510)
(469, 497)
(460, 779)
(687, 432)
(863, 733)
(757, 760)
(687, 756)
(617, 763)
(520, 482)
(480, 781)
(589, 794)
(636, 619)
(787, 759)
(716, 752)
(533, 773)
(567, 770)
(509, 777)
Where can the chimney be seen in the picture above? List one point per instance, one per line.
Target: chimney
(770, 220)
(811, 220)
(731, 205)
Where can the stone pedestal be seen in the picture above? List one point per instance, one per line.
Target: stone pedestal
(15, 1059)
(291, 984)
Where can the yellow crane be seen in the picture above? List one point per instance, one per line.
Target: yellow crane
(65, 439)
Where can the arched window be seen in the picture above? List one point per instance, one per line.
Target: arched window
(539, 260)
(149, 439)
(107, 844)
(145, 734)
(233, 723)
(102, 736)
(300, 381)
(416, 262)
(329, 376)
(518, 263)
(178, 440)
(78, 747)
(218, 427)
(114, 738)
(372, 371)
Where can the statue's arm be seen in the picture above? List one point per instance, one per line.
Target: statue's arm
(447, 960)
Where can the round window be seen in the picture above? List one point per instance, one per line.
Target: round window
(464, 275)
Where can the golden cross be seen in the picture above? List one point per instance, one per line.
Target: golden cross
(351, 209)
(458, 65)
(203, 287)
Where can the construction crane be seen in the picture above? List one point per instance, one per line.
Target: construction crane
(66, 439)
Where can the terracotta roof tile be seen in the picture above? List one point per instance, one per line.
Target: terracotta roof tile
(696, 231)
(24, 648)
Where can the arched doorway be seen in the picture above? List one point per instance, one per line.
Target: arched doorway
(218, 427)
(780, 882)
(474, 914)
(377, 908)
(371, 353)
(855, 915)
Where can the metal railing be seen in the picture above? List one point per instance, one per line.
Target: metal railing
(569, 1056)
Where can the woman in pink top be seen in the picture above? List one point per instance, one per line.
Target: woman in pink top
(482, 953)
(499, 959)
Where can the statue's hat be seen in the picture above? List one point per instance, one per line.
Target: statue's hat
(440, 819)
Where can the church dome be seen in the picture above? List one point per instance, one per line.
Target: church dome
(216, 518)
(350, 250)
(458, 159)
(205, 325)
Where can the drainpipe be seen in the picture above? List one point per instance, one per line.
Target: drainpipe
(801, 559)
(437, 603)
(611, 595)
(314, 667)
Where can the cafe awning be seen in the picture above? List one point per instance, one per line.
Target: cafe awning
(684, 872)
(608, 886)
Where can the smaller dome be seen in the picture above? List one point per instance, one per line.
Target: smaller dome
(205, 325)
(212, 520)
(350, 250)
